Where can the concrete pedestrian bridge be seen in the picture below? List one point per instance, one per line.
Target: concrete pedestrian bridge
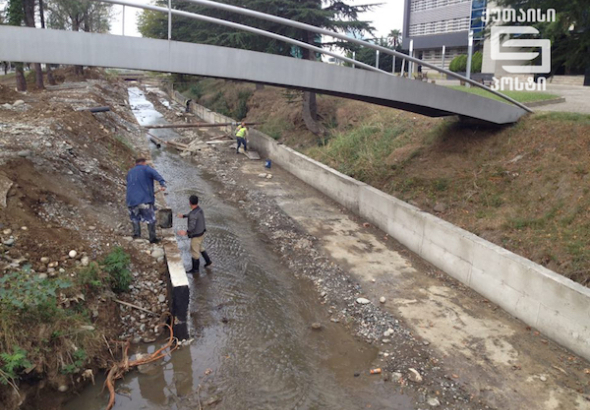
(106, 50)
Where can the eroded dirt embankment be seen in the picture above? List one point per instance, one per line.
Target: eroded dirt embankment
(65, 254)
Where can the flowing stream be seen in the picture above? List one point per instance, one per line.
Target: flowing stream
(253, 345)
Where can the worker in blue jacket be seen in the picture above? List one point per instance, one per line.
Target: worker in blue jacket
(141, 199)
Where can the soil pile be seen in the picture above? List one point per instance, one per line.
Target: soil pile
(66, 260)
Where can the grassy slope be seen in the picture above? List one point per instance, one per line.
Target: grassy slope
(525, 187)
(520, 96)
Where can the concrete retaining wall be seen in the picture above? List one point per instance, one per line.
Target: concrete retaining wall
(555, 305)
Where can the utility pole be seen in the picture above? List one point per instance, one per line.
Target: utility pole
(469, 55)
(411, 64)
(123, 21)
(442, 63)
(354, 58)
(377, 59)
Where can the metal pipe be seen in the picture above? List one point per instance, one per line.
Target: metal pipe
(319, 30)
(377, 59)
(197, 125)
(123, 20)
(245, 28)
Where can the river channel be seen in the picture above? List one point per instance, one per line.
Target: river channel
(253, 345)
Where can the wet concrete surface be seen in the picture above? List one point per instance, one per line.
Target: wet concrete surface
(251, 318)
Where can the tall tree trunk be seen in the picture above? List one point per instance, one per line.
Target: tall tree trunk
(78, 69)
(21, 83)
(29, 9)
(39, 76)
(50, 78)
(310, 107)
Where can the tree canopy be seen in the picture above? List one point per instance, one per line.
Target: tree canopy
(569, 33)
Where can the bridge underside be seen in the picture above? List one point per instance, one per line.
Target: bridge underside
(105, 50)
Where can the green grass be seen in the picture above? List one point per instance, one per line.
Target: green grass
(583, 119)
(362, 153)
(520, 96)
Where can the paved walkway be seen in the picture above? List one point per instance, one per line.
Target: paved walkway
(577, 99)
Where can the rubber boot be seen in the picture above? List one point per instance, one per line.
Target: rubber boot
(207, 259)
(136, 230)
(194, 266)
(152, 231)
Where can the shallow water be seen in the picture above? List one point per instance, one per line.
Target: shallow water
(266, 356)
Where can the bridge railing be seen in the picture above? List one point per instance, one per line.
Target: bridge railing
(275, 19)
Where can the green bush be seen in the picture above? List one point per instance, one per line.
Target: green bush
(12, 363)
(476, 62)
(116, 264)
(242, 109)
(26, 295)
(459, 63)
(79, 358)
(90, 277)
(454, 64)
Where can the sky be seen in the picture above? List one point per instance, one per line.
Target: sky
(387, 16)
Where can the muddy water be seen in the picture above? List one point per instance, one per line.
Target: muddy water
(253, 345)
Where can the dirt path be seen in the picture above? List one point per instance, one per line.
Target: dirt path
(460, 343)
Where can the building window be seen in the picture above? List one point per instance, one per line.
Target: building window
(478, 9)
(439, 27)
(421, 5)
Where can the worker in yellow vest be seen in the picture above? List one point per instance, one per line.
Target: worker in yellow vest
(241, 134)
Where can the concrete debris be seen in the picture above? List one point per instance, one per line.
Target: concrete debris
(157, 253)
(414, 376)
(9, 242)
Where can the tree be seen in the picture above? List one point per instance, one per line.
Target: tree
(331, 14)
(90, 16)
(16, 16)
(394, 37)
(29, 17)
(50, 77)
(570, 47)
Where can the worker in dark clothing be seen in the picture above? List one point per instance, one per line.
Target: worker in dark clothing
(140, 197)
(196, 232)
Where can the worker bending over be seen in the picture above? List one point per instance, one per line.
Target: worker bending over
(241, 134)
